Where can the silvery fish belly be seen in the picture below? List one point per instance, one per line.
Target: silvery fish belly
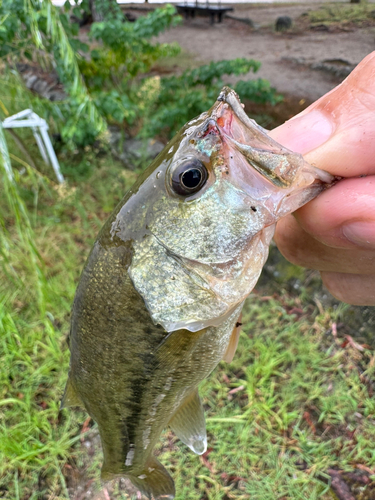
(159, 300)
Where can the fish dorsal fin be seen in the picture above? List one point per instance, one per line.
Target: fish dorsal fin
(70, 397)
(233, 341)
(189, 425)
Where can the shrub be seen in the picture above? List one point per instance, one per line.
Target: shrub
(110, 82)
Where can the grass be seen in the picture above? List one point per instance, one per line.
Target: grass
(296, 401)
(337, 13)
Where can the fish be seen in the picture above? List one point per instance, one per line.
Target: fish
(159, 301)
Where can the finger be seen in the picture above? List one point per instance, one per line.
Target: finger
(301, 249)
(355, 289)
(344, 215)
(338, 130)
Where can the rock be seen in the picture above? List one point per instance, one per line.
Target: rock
(245, 20)
(132, 152)
(283, 23)
(295, 61)
(45, 84)
(129, 16)
(339, 68)
(320, 27)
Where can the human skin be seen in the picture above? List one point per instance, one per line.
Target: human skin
(335, 233)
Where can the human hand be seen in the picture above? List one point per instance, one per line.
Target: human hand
(335, 233)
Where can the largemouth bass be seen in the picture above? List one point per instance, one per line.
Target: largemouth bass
(159, 299)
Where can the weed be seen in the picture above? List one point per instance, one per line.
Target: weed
(341, 14)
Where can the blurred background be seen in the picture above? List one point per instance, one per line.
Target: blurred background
(292, 417)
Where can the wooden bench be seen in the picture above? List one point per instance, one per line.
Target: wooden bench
(192, 9)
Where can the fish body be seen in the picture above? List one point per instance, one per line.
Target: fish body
(159, 299)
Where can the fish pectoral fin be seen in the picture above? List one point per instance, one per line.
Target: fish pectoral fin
(233, 341)
(154, 480)
(70, 397)
(189, 425)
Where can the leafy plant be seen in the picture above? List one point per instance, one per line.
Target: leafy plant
(180, 98)
(96, 86)
(112, 83)
(126, 52)
(28, 25)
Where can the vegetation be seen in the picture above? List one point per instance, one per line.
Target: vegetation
(342, 14)
(195, 90)
(297, 400)
(110, 80)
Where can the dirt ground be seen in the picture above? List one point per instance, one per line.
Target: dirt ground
(288, 59)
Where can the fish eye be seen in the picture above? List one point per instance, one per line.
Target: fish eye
(189, 177)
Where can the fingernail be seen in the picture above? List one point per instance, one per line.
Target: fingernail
(362, 233)
(305, 133)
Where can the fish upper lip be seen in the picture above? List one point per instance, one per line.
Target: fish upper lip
(229, 96)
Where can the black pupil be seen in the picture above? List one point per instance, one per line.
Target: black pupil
(191, 178)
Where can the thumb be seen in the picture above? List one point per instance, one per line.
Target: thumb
(337, 132)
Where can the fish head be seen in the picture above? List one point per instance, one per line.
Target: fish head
(201, 218)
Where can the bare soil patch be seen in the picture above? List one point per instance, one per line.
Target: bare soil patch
(293, 61)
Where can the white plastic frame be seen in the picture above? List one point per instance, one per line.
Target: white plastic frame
(39, 126)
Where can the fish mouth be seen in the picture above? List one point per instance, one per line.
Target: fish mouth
(230, 97)
(273, 161)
